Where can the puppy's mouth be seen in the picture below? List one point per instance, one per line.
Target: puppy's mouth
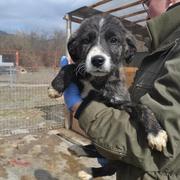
(98, 72)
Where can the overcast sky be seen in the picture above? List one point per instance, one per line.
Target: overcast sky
(39, 15)
(36, 15)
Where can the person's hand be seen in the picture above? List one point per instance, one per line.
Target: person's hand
(72, 95)
(63, 61)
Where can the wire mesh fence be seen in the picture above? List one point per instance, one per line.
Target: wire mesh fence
(24, 104)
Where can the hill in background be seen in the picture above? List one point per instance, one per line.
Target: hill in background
(3, 33)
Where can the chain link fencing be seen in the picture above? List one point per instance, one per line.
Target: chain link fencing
(24, 104)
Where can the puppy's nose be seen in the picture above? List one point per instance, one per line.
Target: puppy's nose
(97, 61)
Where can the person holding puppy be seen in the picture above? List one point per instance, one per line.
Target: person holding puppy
(156, 85)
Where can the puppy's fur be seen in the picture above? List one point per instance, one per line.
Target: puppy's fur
(98, 49)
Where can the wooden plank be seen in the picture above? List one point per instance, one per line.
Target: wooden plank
(77, 20)
(84, 12)
(74, 19)
(140, 20)
(125, 6)
(100, 3)
(135, 28)
(132, 14)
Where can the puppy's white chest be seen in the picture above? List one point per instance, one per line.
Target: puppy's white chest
(87, 88)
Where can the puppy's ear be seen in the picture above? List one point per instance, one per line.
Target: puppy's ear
(72, 47)
(130, 48)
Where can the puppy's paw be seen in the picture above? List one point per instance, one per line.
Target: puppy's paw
(158, 141)
(84, 175)
(52, 93)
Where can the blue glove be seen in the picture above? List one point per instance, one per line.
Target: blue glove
(63, 61)
(71, 94)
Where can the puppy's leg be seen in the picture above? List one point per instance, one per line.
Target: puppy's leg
(52, 93)
(61, 81)
(156, 136)
(107, 170)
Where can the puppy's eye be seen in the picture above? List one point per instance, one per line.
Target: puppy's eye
(85, 41)
(114, 40)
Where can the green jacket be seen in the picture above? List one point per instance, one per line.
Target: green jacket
(157, 84)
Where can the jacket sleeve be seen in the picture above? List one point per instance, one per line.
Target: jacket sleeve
(118, 137)
(166, 104)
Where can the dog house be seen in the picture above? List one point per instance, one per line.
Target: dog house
(132, 15)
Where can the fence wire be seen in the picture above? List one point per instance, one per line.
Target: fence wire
(24, 104)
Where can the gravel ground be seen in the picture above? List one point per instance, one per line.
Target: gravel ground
(42, 157)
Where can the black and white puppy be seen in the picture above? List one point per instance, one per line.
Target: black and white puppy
(99, 48)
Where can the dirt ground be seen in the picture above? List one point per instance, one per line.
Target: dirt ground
(26, 108)
(43, 156)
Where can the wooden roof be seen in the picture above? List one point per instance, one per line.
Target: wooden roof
(132, 14)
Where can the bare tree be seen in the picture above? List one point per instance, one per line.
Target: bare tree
(36, 49)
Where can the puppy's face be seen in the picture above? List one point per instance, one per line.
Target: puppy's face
(100, 45)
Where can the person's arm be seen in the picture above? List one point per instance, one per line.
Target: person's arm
(117, 137)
